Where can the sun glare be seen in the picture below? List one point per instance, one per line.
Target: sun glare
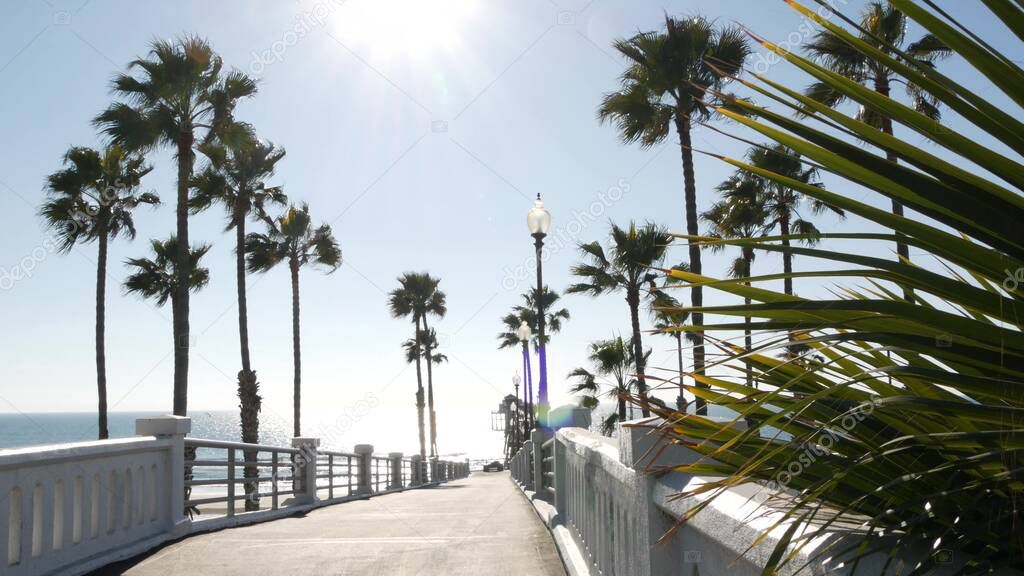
(417, 29)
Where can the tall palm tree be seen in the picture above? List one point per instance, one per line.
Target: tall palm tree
(415, 297)
(612, 359)
(739, 215)
(884, 27)
(782, 204)
(291, 238)
(629, 267)
(436, 305)
(92, 198)
(157, 278)
(236, 178)
(670, 76)
(181, 93)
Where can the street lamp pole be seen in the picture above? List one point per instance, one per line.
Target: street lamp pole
(525, 335)
(516, 420)
(539, 221)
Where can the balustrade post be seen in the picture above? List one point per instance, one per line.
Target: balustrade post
(527, 470)
(433, 471)
(173, 428)
(304, 468)
(364, 453)
(537, 438)
(416, 471)
(396, 471)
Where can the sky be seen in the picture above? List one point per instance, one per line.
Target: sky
(420, 130)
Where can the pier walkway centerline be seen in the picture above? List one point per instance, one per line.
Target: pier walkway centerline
(477, 525)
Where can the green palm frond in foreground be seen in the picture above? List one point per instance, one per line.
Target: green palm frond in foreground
(914, 410)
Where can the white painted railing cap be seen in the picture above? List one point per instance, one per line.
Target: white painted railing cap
(163, 426)
(569, 416)
(363, 449)
(304, 441)
(395, 455)
(417, 457)
(641, 445)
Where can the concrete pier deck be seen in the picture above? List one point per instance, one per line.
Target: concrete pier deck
(478, 525)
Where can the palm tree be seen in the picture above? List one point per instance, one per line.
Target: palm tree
(235, 177)
(428, 339)
(883, 27)
(416, 296)
(157, 278)
(668, 315)
(667, 82)
(553, 317)
(92, 198)
(527, 313)
(436, 305)
(782, 204)
(741, 214)
(613, 359)
(510, 339)
(181, 92)
(633, 255)
(292, 238)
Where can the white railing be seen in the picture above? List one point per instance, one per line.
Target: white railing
(72, 508)
(620, 511)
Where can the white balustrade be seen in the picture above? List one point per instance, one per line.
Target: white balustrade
(72, 508)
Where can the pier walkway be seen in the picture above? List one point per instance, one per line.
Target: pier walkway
(482, 524)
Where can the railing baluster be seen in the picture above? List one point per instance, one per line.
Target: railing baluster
(273, 480)
(231, 481)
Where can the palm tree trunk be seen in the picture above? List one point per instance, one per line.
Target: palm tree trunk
(697, 296)
(296, 349)
(419, 394)
(633, 299)
(101, 297)
(681, 401)
(787, 255)
(430, 392)
(249, 400)
(182, 273)
(902, 250)
(622, 409)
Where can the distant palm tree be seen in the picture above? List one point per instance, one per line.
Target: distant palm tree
(669, 80)
(630, 268)
(612, 359)
(291, 238)
(416, 296)
(235, 177)
(782, 204)
(667, 315)
(156, 278)
(509, 338)
(427, 339)
(181, 91)
(739, 215)
(884, 27)
(527, 312)
(92, 198)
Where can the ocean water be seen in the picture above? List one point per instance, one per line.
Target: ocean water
(18, 430)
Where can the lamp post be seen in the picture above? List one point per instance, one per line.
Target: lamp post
(524, 333)
(516, 424)
(539, 221)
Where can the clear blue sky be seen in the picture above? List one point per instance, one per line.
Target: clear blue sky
(420, 130)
